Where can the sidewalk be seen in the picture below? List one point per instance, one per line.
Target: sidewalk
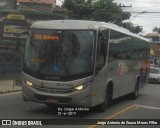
(7, 86)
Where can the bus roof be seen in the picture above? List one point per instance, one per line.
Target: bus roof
(80, 24)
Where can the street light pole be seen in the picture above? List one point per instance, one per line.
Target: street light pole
(137, 15)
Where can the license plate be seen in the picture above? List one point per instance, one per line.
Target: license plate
(52, 101)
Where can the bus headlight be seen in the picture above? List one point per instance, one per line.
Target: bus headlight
(79, 88)
(82, 86)
(29, 83)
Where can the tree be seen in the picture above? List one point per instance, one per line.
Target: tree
(78, 9)
(130, 26)
(108, 11)
(101, 10)
(156, 29)
(69, 4)
(80, 1)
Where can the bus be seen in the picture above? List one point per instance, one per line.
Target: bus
(82, 63)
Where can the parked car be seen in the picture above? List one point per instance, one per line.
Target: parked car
(154, 75)
(152, 63)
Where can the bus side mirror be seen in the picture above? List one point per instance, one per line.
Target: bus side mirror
(104, 47)
(103, 41)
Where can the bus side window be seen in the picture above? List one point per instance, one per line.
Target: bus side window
(101, 50)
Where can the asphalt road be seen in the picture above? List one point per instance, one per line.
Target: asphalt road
(147, 106)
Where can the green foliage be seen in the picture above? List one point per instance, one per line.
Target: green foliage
(101, 10)
(132, 27)
(108, 11)
(69, 4)
(156, 29)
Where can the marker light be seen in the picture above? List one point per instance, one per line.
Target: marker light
(80, 87)
(29, 83)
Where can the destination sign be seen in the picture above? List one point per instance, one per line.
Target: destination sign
(38, 60)
(45, 37)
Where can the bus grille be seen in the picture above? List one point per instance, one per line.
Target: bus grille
(53, 90)
(60, 99)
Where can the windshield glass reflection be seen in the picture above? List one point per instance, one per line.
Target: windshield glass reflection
(59, 53)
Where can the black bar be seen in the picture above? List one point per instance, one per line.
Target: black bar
(80, 121)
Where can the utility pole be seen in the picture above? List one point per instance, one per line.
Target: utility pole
(124, 6)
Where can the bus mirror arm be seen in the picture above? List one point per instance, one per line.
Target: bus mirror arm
(102, 37)
(104, 47)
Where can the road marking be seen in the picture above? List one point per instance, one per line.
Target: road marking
(117, 114)
(149, 107)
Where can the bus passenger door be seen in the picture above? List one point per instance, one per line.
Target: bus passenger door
(101, 66)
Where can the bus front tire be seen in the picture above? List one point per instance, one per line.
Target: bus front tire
(102, 107)
(134, 95)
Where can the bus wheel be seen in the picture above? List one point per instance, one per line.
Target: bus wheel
(105, 104)
(134, 95)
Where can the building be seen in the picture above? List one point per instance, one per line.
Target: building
(155, 46)
(154, 36)
(17, 15)
(42, 5)
(8, 4)
(41, 9)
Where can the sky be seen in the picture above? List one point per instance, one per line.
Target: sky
(59, 2)
(145, 13)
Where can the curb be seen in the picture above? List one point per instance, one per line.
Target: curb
(9, 91)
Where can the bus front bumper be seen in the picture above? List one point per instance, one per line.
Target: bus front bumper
(75, 98)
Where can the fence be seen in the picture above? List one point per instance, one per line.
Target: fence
(10, 65)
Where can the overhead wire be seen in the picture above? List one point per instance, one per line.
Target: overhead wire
(145, 2)
(152, 5)
(137, 1)
(149, 17)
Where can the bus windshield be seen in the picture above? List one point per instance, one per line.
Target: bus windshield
(59, 54)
